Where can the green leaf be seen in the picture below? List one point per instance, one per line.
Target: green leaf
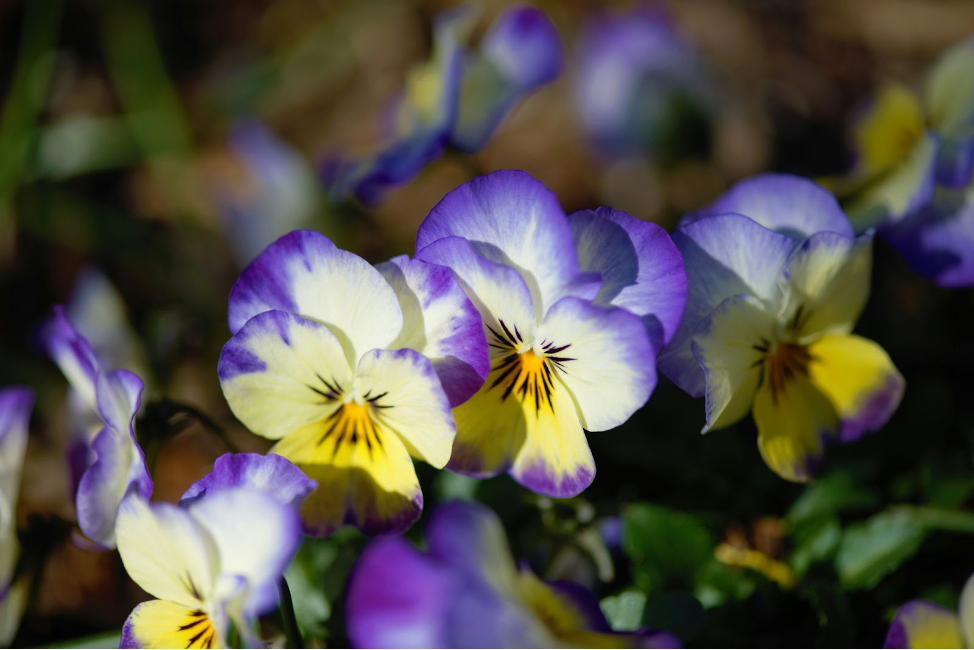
(872, 549)
(666, 547)
(678, 613)
(828, 496)
(304, 577)
(815, 542)
(624, 611)
(717, 583)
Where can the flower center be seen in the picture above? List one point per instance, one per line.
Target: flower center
(356, 422)
(523, 369)
(782, 362)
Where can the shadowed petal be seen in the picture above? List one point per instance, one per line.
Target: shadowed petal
(73, 355)
(724, 256)
(791, 205)
(440, 322)
(640, 267)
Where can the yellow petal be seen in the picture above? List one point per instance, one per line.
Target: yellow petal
(365, 474)
(887, 133)
(524, 420)
(859, 379)
(792, 422)
(161, 624)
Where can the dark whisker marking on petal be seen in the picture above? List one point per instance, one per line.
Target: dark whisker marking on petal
(510, 387)
(510, 337)
(560, 348)
(328, 396)
(499, 347)
(518, 335)
(194, 639)
(377, 397)
(510, 369)
(366, 396)
(511, 358)
(498, 336)
(336, 389)
(200, 618)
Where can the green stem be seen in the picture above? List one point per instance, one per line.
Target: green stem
(207, 422)
(291, 630)
(938, 518)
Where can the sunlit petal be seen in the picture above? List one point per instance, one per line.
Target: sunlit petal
(270, 474)
(304, 273)
(161, 624)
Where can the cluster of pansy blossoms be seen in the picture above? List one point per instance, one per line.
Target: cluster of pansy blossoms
(512, 332)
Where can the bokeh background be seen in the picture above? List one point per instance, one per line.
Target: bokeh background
(121, 154)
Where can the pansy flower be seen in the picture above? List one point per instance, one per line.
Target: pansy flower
(458, 98)
(922, 624)
(15, 406)
(467, 592)
(776, 283)
(914, 172)
(574, 310)
(636, 80)
(353, 370)
(216, 561)
(418, 124)
(116, 464)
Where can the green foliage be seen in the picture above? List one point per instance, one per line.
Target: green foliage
(872, 549)
(668, 548)
(624, 611)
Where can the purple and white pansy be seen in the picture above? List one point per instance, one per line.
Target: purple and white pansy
(575, 309)
(353, 369)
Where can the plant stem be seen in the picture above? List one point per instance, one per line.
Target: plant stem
(291, 631)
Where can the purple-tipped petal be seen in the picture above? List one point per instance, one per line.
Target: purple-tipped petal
(15, 406)
(440, 322)
(73, 354)
(270, 474)
(723, 256)
(512, 218)
(791, 205)
(939, 240)
(399, 598)
(640, 267)
(304, 273)
(921, 624)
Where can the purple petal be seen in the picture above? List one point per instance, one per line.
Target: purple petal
(791, 205)
(73, 354)
(640, 267)
(723, 256)
(922, 624)
(119, 466)
(584, 601)
(955, 162)
(630, 71)
(524, 45)
(939, 240)
(399, 598)
(511, 218)
(440, 322)
(15, 407)
(270, 474)
(469, 538)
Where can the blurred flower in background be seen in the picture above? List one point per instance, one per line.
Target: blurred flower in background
(914, 171)
(15, 408)
(270, 192)
(639, 86)
(466, 591)
(456, 99)
(110, 463)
